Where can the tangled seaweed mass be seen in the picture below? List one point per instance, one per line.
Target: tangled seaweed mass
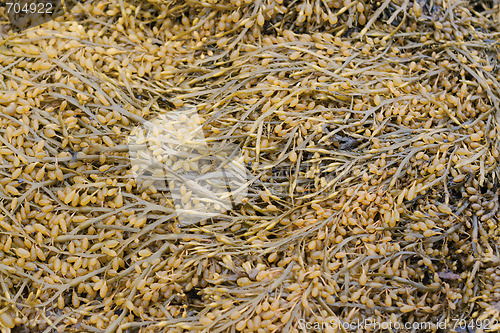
(329, 161)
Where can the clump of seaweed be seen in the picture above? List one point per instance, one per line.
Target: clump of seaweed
(367, 133)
